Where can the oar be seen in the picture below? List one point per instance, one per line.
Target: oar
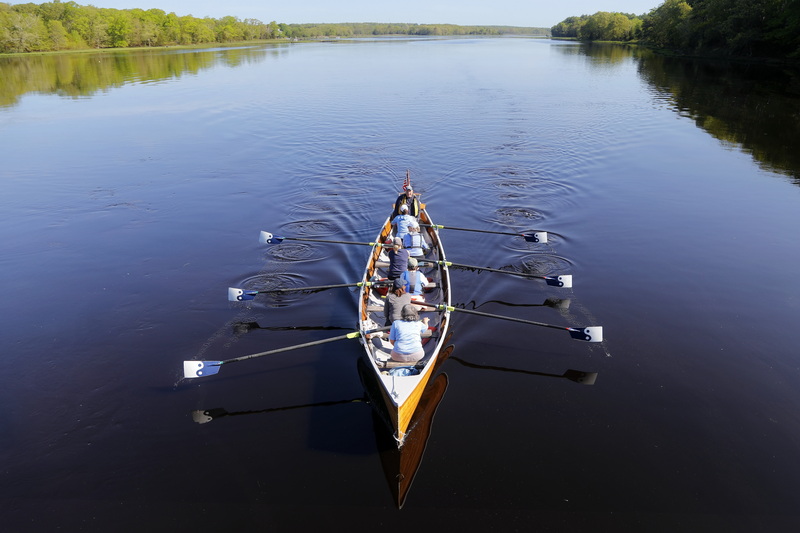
(584, 378)
(535, 236)
(201, 369)
(203, 416)
(239, 295)
(268, 238)
(564, 280)
(587, 333)
(244, 327)
(555, 303)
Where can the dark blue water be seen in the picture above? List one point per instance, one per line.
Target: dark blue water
(127, 210)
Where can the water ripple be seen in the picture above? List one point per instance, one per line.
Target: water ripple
(294, 252)
(310, 227)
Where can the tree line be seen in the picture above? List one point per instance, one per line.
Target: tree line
(745, 28)
(83, 75)
(69, 26)
(361, 29)
(59, 25)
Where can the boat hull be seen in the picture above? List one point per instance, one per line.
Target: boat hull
(400, 386)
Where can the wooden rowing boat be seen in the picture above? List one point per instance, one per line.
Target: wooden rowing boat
(401, 384)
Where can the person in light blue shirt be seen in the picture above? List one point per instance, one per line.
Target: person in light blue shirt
(415, 280)
(402, 222)
(414, 243)
(406, 336)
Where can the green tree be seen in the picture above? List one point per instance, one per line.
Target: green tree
(58, 35)
(668, 26)
(25, 32)
(120, 29)
(273, 30)
(229, 29)
(170, 29)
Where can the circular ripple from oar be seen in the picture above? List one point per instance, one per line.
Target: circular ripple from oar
(302, 228)
(518, 216)
(292, 252)
(316, 208)
(266, 281)
(544, 265)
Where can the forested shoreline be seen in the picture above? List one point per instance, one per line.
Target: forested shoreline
(768, 29)
(764, 29)
(56, 25)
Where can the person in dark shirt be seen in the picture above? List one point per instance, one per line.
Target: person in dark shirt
(408, 198)
(398, 259)
(395, 301)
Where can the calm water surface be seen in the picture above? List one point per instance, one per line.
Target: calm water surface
(134, 186)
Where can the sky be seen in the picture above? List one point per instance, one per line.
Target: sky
(530, 13)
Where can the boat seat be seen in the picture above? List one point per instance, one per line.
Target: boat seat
(394, 364)
(431, 285)
(384, 336)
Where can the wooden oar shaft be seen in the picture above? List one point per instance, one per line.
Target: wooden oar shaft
(352, 335)
(327, 241)
(473, 230)
(509, 318)
(318, 287)
(590, 333)
(473, 267)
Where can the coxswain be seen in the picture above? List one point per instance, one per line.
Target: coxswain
(407, 198)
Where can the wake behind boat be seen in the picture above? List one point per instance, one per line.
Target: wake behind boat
(402, 384)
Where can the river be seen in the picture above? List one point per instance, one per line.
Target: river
(134, 187)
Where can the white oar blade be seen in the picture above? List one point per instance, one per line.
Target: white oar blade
(564, 281)
(537, 236)
(588, 334)
(266, 237)
(201, 417)
(205, 416)
(200, 369)
(239, 295)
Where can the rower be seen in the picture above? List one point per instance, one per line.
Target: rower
(415, 281)
(414, 243)
(398, 259)
(402, 222)
(396, 299)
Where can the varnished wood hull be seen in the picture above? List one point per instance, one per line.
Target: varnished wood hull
(401, 394)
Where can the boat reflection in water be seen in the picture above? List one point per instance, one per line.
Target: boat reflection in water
(400, 464)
